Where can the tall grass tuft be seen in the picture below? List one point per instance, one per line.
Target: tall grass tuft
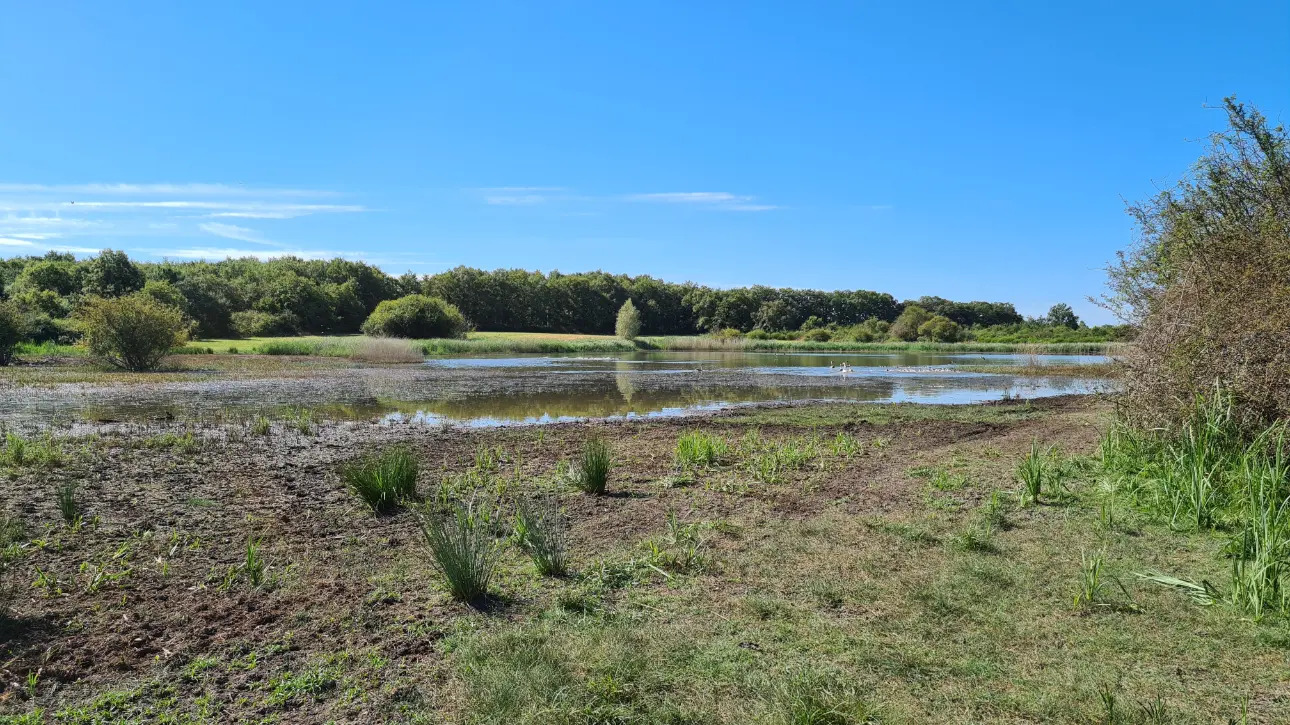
(591, 473)
(464, 548)
(1033, 470)
(1208, 475)
(807, 697)
(700, 450)
(541, 531)
(383, 480)
(68, 505)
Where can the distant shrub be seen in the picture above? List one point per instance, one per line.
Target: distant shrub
(818, 334)
(416, 316)
(254, 323)
(758, 334)
(13, 329)
(384, 480)
(134, 332)
(628, 325)
(940, 329)
(728, 333)
(906, 326)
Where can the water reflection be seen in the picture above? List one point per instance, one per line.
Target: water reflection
(535, 389)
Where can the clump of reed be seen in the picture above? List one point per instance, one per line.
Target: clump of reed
(464, 547)
(385, 480)
(387, 350)
(541, 532)
(590, 473)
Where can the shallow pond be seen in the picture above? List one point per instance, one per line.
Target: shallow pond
(496, 390)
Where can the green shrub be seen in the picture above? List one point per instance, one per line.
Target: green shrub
(540, 531)
(254, 323)
(464, 549)
(940, 329)
(13, 330)
(906, 326)
(758, 334)
(591, 473)
(628, 325)
(416, 316)
(818, 334)
(383, 480)
(134, 332)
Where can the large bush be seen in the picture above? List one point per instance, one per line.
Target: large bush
(1209, 283)
(940, 329)
(12, 330)
(415, 316)
(133, 332)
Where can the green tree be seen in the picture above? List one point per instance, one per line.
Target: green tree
(1061, 315)
(906, 325)
(416, 316)
(111, 274)
(12, 331)
(134, 332)
(628, 325)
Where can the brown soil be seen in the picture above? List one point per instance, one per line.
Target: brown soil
(193, 512)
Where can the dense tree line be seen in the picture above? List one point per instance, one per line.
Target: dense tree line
(289, 296)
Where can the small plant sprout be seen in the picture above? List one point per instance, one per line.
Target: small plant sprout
(261, 426)
(253, 564)
(1092, 586)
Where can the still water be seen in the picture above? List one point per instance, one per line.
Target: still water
(484, 391)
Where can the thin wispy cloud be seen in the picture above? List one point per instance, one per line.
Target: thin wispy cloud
(57, 216)
(232, 231)
(522, 195)
(720, 200)
(534, 195)
(163, 190)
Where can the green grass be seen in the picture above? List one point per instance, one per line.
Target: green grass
(697, 449)
(69, 506)
(384, 481)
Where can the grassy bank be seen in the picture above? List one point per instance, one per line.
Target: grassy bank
(838, 564)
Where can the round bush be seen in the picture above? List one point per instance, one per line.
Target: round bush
(416, 316)
(133, 332)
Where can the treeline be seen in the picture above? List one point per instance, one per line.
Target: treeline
(289, 296)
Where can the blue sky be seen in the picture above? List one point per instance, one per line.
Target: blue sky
(969, 150)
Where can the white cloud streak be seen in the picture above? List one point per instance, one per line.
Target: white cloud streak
(232, 231)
